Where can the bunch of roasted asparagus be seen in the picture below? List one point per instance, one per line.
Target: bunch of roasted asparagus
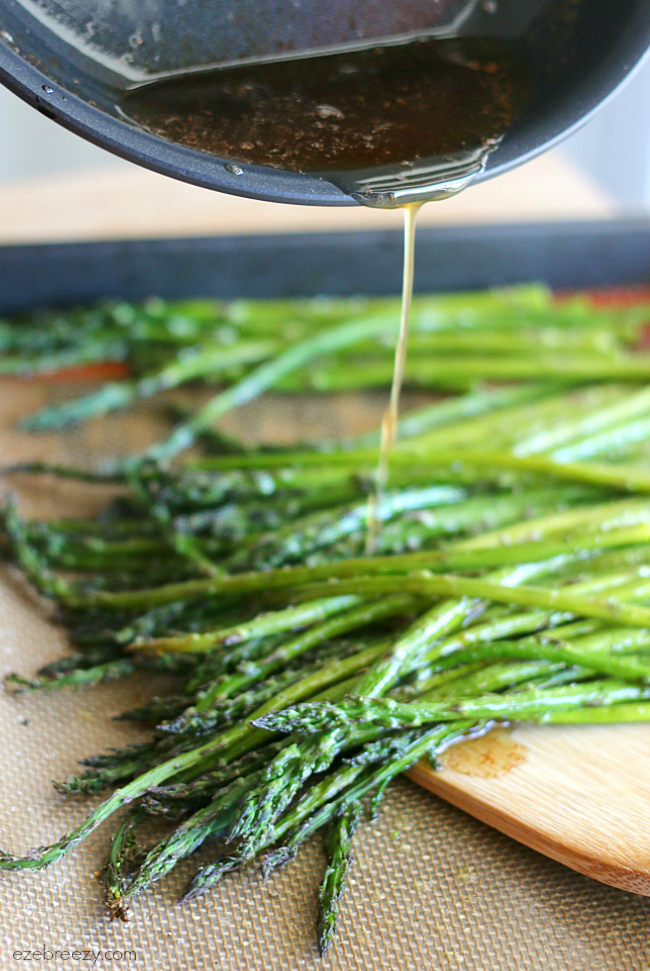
(509, 582)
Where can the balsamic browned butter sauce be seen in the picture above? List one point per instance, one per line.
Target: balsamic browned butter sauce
(350, 116)
(393, 126)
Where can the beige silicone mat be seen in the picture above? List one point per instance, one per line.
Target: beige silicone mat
(431, 887)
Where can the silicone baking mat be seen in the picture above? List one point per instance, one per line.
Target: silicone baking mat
(431, 888)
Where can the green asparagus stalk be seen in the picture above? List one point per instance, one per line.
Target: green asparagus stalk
(207, 823)
(358, 617)
(455, 586)
(266, 377)
(464, 371)
(337, 845)
(627, 408)
(116, 395)
(451, 411)
(121, 861)
(79, 677)
(620, 714)
(263, 625)
(533, 705)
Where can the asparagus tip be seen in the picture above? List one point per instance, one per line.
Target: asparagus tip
(191, 892)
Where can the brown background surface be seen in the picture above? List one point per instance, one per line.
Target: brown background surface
(132, 202)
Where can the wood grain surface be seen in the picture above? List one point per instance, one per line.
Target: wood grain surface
(579, 794)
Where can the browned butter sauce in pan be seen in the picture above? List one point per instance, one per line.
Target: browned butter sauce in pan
(352, 110)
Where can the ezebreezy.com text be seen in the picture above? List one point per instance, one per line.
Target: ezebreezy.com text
(91, 956)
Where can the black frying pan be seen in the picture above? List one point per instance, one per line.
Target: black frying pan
(74, 59)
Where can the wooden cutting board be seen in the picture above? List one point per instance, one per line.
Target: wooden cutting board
(579, 794)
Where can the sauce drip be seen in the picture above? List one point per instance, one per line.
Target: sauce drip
(389, 422)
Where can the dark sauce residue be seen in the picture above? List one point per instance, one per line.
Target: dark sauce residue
(344, 111)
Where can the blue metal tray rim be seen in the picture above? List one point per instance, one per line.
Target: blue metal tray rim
(563, 255)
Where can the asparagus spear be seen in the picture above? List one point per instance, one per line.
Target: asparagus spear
(116, 395)
(121, 861)
(336, 841)
(318, 717)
